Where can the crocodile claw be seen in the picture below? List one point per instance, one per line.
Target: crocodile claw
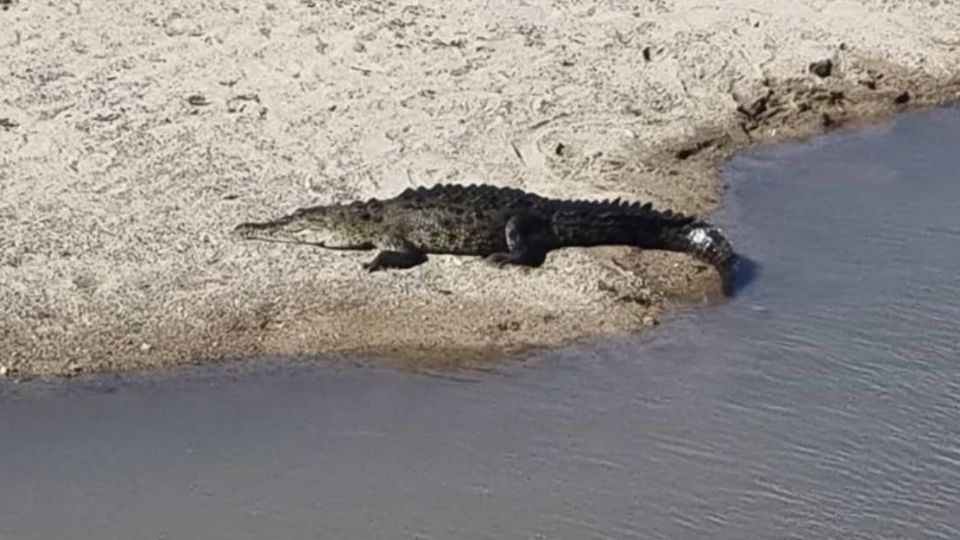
(498, 259)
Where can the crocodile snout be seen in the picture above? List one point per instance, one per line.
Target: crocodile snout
(256, 230)
(245, 230)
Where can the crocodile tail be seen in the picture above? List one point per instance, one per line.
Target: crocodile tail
(709, 244)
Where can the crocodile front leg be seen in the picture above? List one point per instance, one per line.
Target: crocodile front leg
(395, 259)
(396, 253)
(525, 235)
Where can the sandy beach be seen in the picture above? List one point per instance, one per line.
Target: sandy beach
(136, 135)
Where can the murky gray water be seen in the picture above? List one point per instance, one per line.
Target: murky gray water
(822, 402)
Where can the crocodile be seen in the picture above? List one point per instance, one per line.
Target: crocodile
(504, 225)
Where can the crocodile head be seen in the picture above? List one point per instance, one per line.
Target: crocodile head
(333, 227)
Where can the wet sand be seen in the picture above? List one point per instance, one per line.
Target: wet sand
(128, 156)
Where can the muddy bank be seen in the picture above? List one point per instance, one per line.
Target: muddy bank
(129, 157)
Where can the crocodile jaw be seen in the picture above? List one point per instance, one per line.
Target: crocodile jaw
(292, 229)
(281, 230)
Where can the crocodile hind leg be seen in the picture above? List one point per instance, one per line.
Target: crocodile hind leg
(524, 234)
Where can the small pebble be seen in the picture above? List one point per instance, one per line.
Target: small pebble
(4, 370)
(145, 347)
(822, 68)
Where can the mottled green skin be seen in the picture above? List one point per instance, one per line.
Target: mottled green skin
(509, 226)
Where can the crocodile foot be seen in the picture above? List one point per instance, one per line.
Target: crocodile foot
(524, 258)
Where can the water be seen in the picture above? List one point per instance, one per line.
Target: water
(822, 402)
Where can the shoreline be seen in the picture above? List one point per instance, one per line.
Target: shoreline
(157, 283)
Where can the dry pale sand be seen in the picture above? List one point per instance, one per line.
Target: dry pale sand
(135, 135)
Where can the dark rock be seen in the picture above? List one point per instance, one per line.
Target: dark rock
(822, 69)
(689, 151)
(903, 98)
(755, 109)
